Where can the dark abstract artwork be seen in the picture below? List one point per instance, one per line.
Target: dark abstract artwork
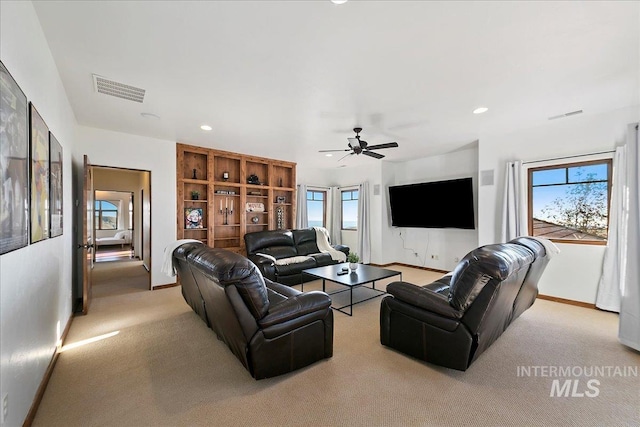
(14, 164)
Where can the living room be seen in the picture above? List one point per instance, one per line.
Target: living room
(599, 76)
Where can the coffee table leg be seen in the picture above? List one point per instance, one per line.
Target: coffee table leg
(323, 286)
(351, 301)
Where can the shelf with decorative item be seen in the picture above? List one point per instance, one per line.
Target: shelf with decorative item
(226, 168)
(195, 164)
(283, 175)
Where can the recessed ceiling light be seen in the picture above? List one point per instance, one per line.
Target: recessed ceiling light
(150, 116)
(480, 110)
(329, 155)
(338, 1)
(206, 127)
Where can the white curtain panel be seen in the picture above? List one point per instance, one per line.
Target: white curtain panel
(629, 328)
(335, 220)
(514, 215)
(302, 220)
(364, 235)
(615, 255)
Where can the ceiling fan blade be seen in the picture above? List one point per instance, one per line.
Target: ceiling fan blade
(350, 154)
(329, 151)
(380, 146)
(372, 154)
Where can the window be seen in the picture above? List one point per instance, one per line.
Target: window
(570, 202)
(349, 209)
(316, 208)
(106, 215)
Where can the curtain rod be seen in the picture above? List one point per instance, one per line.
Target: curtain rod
(570, 157)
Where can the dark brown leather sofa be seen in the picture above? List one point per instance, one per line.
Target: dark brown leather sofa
(271, 328)
(453, 320)
(299, 246)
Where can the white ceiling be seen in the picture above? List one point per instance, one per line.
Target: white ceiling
(283, 79)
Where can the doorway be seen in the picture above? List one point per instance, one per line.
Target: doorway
(114, 226)
(122, 224)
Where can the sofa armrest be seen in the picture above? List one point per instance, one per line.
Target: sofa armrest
(342, 248)
(266, 266)
(423, 298)
(294, 307)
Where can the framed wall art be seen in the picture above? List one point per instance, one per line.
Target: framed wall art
(193, 218)
(39, 137)
(14, 164)
(55, 186)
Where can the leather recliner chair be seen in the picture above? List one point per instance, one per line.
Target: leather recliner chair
(453, 320)
(271, 328)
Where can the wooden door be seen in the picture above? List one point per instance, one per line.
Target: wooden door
(87, 245)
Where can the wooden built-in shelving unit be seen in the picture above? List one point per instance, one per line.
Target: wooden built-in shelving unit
(201, 169)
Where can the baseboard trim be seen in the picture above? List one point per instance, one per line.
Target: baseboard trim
(31, 415)
(567, 301)
(170, 285)
(411, 266)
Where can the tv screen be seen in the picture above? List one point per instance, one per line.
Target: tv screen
(440, 204)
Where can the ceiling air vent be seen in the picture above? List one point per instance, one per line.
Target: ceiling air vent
(572, 113)
(119, 90)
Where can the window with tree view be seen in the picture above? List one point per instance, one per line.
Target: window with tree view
(570, 202)
(106, 215)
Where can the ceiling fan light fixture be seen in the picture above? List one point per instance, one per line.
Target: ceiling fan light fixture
(329, 155)
(480, 110)
(338, 1)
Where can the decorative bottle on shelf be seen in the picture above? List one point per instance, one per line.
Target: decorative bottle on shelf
(195, 175)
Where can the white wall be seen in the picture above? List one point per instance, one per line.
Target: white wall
(115, 149)
(35, 281)
(575, 272)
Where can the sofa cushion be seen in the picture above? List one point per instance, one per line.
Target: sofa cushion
(305, 241)
(322, 259)
(261, 240)
(279, 252)
(296, 267)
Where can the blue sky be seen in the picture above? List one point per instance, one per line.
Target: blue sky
(544, 196)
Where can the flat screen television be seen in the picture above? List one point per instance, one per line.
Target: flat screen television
(438, 204)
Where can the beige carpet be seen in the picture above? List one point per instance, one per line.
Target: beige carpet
(166, 368)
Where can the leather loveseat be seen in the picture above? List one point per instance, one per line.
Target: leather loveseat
(453, 320)
(281, 255)
(271, 328)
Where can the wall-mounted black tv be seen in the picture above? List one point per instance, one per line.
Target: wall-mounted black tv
(438, 204)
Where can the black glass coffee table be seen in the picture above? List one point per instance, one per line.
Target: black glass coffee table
(353, 279)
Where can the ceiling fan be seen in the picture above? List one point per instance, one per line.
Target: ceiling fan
(357, 146)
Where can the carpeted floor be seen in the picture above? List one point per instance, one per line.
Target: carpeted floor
(164, 367)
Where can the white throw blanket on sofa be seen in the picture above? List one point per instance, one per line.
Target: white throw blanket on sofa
(167, 264)
(322, 240)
